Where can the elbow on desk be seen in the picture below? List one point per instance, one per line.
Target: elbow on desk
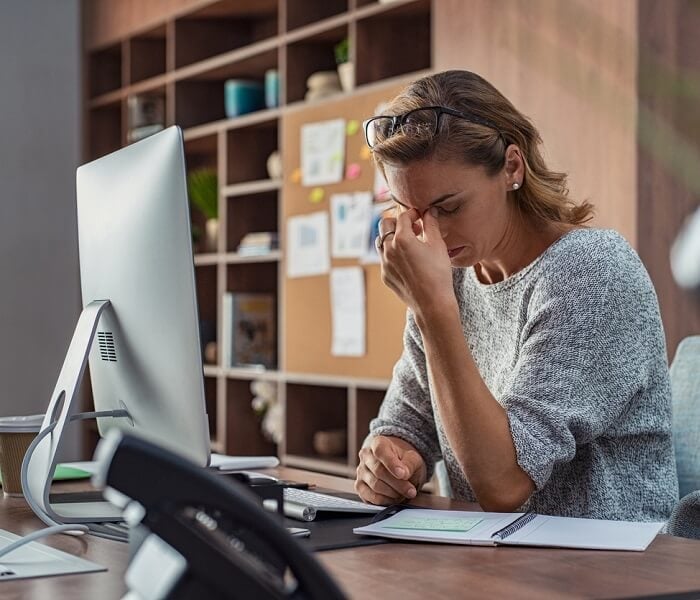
(505, 499)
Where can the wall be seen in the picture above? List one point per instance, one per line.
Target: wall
(571, 67)
(669, 149)
(613, 89)
(39, 151)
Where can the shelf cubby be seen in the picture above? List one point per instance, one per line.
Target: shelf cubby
(312, 408)
(305, 12)
(367, 403)
(248, 214)
(105, 70)
(310, 55)
(205, 281)
(199, 97)
(243, 426)
(222, 27)
(379, 34)
(147, 54)
(201, 153)
(211, 403)
(105, 134)
(252, 277)
(248, 151)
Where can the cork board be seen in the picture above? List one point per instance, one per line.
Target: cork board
(306, 302)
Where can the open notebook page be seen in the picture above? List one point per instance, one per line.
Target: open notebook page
(585, 533)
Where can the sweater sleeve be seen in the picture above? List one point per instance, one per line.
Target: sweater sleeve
(407, 411)
(585, 353)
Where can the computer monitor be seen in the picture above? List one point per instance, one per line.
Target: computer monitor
(140, 318)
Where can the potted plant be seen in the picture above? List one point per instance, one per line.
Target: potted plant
(346, 70)
(203, 191)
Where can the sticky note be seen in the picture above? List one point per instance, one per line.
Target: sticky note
(365, 153)
(316, 195)
(296, 175)
(435, 524)
(353, 171)
(352, 127)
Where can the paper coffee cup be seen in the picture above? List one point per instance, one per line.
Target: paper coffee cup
(16, 433)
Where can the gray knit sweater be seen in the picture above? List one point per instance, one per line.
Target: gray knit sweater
(573, 348)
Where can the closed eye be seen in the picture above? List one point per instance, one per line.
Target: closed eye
(448, 210)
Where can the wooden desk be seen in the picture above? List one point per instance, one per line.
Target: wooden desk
(670, 565)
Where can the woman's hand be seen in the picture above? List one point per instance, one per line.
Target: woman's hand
(390, 471)
(415, 262)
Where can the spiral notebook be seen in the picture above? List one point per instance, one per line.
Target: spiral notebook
(511, 529)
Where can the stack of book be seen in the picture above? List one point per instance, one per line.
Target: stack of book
(259, 242)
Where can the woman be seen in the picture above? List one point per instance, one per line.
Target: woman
(534, 358)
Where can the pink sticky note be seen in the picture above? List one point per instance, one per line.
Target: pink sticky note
(353, 171)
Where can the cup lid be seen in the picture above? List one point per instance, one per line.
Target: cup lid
(26, 424)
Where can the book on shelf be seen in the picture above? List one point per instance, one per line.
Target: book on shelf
(258, 243)
(249, 330)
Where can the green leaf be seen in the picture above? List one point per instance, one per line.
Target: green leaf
(342, 50)
(203, 190)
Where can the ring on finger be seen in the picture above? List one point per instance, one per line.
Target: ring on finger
(380, 240)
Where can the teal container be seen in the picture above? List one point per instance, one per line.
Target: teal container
(272, 88)
(243, 96)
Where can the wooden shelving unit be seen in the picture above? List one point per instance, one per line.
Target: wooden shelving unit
(185, 55)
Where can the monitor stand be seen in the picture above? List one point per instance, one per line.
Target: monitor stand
(40, 460)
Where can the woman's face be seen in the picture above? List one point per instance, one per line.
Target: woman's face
(471, 206)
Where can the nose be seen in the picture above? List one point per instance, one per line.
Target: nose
(441, 226)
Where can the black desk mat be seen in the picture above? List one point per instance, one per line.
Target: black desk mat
(334, 532)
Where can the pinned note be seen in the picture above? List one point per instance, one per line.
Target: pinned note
(351, 215)
(322, 152)
(352, 127)
(307, 245)
(365, 153)
(296, 175)
(353, 171)
(316, 195)
(348, 311)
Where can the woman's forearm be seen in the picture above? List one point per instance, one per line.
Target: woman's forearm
(475, 423)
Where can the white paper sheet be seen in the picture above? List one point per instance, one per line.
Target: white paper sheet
(351, 215)
(322, 152)
(39, 560)
(377, 210)
(307, 245)
(348, 311)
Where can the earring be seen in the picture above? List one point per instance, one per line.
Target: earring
(516, 186)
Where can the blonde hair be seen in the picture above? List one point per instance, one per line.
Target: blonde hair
(543, 194)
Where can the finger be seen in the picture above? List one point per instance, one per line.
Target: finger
(386, 453)
(386, 224)
(431, 226)
(398, 487)
(405, 221)
(366, 493)
(413, 461)
(377, 484)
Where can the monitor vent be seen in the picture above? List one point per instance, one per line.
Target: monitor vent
(107, 350)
